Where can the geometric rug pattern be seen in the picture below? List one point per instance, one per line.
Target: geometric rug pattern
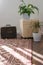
(15, 52)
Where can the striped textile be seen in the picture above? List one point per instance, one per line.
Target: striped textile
(15, 52)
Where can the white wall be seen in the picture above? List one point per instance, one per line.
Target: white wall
(9, 12)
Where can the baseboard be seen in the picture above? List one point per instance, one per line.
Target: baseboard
(26, 37)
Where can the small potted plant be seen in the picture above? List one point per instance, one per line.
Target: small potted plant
(26, 10)
(36, 33)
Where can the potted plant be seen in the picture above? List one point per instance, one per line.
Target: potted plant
(36, 33)
(27, 9)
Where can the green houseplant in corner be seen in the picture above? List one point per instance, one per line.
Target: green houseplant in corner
(36, 30)
(27, 9)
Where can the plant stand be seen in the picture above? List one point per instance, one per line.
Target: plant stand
(26, 29)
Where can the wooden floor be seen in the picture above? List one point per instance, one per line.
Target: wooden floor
(37, 53)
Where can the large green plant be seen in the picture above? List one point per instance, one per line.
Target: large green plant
(23, 8)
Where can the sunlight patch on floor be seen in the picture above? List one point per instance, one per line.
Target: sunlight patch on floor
(35, 53)
(28, 50)
(17, 55)
(2, 60)
(39, 56)
(37, 59)
(24, 51)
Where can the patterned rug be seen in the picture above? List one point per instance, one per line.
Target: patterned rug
(15, 52)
